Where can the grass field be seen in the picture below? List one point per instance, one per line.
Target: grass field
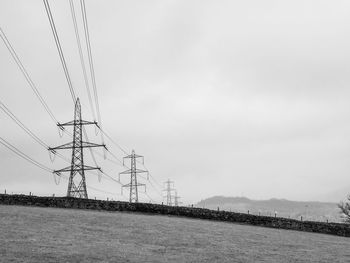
(33, 234)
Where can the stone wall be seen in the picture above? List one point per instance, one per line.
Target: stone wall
(264, 221)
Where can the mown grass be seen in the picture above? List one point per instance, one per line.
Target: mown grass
(33, 234)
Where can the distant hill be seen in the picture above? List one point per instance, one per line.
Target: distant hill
(313, 211)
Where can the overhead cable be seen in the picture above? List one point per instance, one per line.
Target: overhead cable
(91, 62)
(23, 155)
(59, 49)
(26, 75)
(81, 57)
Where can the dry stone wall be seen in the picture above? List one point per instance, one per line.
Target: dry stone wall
(264, 221)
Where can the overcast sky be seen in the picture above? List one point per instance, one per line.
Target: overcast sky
(223, 97)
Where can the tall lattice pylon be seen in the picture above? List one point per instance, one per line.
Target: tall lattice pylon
(133, 171)
(169, 192)
(77, 182)
(176, 199)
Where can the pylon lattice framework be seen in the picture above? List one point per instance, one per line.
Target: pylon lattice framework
(176, 199)
(169, 189)
(133, 171)
(77, 182)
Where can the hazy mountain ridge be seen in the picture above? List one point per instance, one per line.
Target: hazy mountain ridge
(309, 210)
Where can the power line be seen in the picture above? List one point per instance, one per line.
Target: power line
(65, 68)
(86, 30)
(21, 125)
(94, 159)
(109, 151)
(111, 178)
(59, 49)
(23, 155)
(91, 62)
(81, 57)
(157, 191)
(26, 75)
(152, 177)
(84, 69)
(91, 152)
(115, 157)
(154, 180)
(63, 61)
(27, 130)
(115, 143)
(28, 78)
(109, 159)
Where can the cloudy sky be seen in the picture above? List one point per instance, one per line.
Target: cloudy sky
(235, 98)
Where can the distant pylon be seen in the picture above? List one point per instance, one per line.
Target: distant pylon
(133, 171)
(77, 182)
(169, 189)
(176, 198)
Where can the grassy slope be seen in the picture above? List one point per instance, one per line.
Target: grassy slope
(33, 234)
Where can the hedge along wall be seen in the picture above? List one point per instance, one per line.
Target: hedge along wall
(264, 221)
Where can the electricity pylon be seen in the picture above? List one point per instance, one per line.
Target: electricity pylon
(77, 182)
(133, 171)
(169, 189)
(176, 199)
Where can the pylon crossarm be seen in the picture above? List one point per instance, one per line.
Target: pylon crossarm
(132, 156)
(69, 168)
(136, 171)
(70, 145)
(126, 172)
(86, 167)
(128, 185)
(77, 122)
(91, 145)
(140, 171)
(63, 146)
